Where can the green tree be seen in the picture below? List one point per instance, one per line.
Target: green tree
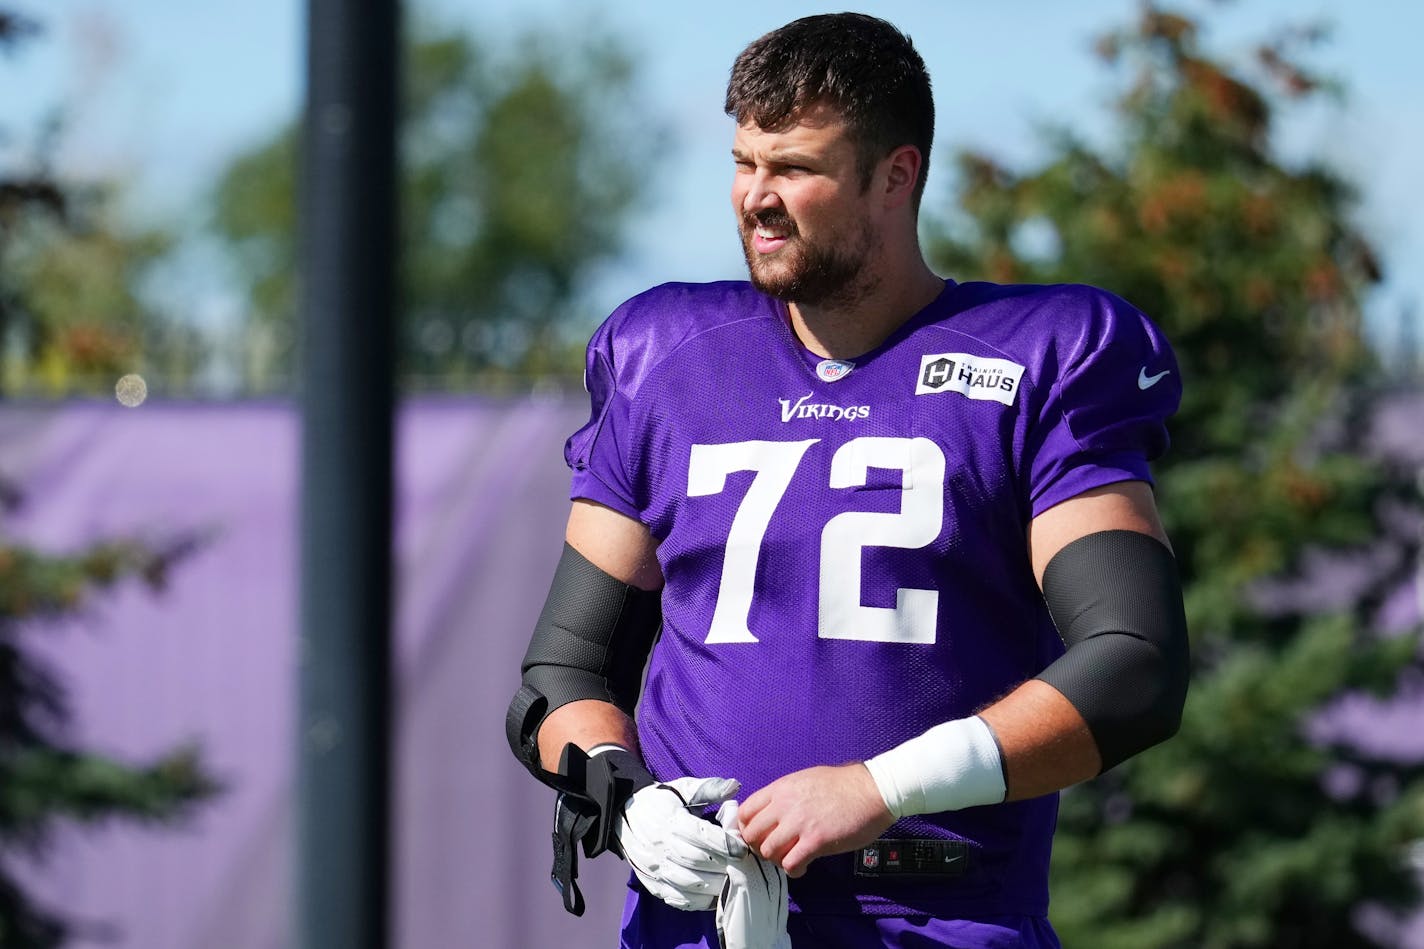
(44, 778)
(1243, 830)
(74, 314)
(515, 184)
(78, 317)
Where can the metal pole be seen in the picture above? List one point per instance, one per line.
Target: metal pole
(348, 245)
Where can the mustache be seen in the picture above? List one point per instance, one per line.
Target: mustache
(769, 218)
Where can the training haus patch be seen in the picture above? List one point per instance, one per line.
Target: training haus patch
(979, 377)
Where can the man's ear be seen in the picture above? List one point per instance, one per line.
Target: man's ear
(898, 173)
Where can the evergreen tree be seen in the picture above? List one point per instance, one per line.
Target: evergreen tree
(1253, 827)
(44, 777)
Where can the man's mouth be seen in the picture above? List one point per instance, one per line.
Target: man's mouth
(770, 236)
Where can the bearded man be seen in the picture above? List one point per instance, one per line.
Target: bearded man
(865, 555)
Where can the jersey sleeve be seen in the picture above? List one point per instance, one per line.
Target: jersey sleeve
(1103, 417)
(597, 452)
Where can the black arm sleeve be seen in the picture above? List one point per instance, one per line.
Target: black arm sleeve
(1117, 602)
(591, 642)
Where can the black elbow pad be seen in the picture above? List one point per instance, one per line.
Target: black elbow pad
(591, 642)
(1117, 601)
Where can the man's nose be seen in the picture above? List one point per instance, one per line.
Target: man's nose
(759, 195)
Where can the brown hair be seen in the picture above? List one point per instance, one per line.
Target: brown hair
(863, 67)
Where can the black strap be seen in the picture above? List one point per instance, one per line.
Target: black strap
(521, 726)
(570, 826)
(591, 792)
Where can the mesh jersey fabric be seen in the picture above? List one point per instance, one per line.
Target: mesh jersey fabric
(845, 561)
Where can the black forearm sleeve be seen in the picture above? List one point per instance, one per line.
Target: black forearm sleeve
(1117, 602)
(591, 642)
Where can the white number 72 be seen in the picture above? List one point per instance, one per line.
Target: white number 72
(840, 613)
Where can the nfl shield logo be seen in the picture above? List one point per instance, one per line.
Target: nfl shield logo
(870, 858)
(831, 370)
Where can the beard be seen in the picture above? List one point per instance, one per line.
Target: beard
(830, 272)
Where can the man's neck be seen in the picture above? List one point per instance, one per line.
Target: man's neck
(844, 331)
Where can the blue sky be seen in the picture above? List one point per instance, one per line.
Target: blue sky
(163, 93)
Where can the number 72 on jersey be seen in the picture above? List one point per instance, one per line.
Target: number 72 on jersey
(840, 614)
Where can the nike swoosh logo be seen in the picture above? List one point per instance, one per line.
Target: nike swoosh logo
(1144, 381)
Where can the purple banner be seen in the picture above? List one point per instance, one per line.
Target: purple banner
(482, 494)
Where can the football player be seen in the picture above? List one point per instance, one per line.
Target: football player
(874, 553)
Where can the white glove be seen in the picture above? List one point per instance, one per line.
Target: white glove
(751, 909)
(679, 857)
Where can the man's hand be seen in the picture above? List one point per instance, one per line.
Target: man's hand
(751, 910)
(679, 857)
(813, 813)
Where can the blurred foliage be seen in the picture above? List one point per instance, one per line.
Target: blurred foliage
(66, 293)
(44, 778)
(515, 186)
(73, 312)
(1253, 827)
(74, 305)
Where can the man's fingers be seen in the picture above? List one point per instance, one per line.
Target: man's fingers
(675, 898)
(714, 791)
(699, 850)
(788, 849)
(797, 859)
(680, 857)
(776, 845)
(702, 840)
(680, 877)
(699, 833)
(700, 792)
(757, 828)
(702, 843)
(753, 806)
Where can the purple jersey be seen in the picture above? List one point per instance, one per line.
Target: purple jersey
(844, 545)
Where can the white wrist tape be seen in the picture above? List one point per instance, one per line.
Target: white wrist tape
(951, 766)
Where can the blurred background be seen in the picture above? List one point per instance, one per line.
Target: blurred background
(1247, 173)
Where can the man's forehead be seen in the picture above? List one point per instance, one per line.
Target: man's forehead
(814, 115)
(819, 127)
